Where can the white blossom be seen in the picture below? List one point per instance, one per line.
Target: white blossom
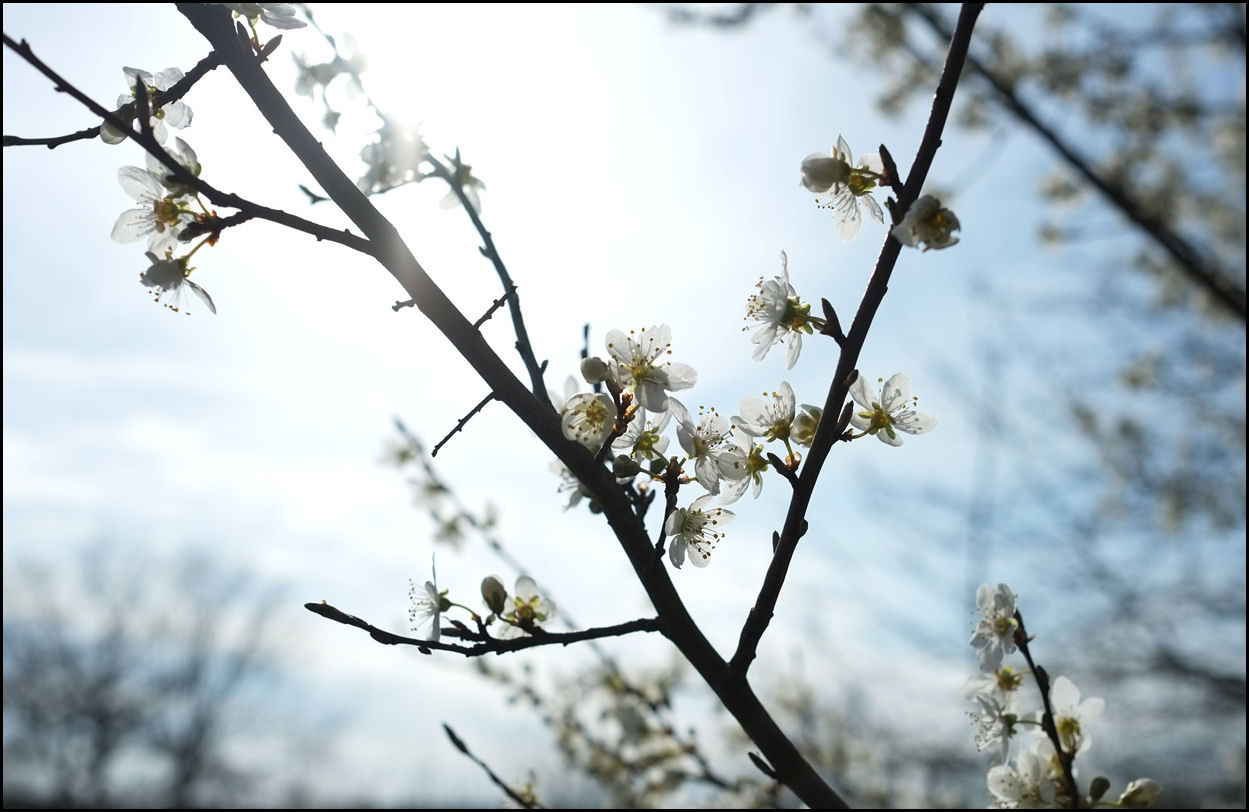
(780, 314)
(706, 443)
(1024, 786)
(160, 216)
(850, 186)
(278, 15)
(995, 634)
(886, 412)
(750, 458)
(589, 418)
(529, 609)
(427, 603)
(1072, 717)
(928, 223)
(1141, 793)
(695, 529)
(167, 279)
(642, 439)
(771, 419)
(636, 357)
(174, 114)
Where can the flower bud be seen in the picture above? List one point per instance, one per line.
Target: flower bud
(805, 424)
(821, 172)
(594, 370)
(1141, 793)
(494, 593)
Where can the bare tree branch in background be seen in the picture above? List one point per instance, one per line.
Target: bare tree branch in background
(132, 680)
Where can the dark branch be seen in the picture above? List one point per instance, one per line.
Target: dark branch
(484, 644)
(490, 252)
(1047, 720)
(459, 426)
(174, 93)
(181, 175)
(825, 436)
(524, 799)
(678, 626)
(1204, 272)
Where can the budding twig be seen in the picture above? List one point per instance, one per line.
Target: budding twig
(483, 644)
(525, 799)
(459, 426)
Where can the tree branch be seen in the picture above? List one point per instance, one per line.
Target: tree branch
(248, 209)
(526, 800)
(484, 644)
(826, 434)
(1216, 281)
(677, 625)
(174, 93)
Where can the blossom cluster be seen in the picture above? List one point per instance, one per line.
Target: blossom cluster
(521, 615)
(846, 189)
(166, 200)
(165, 209)
(1042, 774)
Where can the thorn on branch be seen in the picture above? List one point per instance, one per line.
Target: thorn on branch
(313, 197)
(495, 305)
(459, 426)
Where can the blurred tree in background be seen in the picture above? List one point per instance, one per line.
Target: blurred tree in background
(142, 680)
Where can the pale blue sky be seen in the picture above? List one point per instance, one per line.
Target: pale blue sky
(637, 174)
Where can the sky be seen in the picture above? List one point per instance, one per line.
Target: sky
(636, 174)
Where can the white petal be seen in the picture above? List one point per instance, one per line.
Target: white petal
(526, 588)
(895, 393)
(681, 376)
(873, 208)
(883, 436)
(676, 552)
(846, 213)
(843, 149)
(1064, 696)
(734, 490)
(914, 422)
(177, 114)
(786, 402)
(697, 557)
(861, 394)
(133, 225)
(167, 78)
(140, 184)
(795, 347)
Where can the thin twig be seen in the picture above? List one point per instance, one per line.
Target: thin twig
(484, 644)
(495, 305)
(1204, 271)
(1047, 720)
(179, 172)
(490, 252)
(177, 91)
(524, 799)
(459, 426)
